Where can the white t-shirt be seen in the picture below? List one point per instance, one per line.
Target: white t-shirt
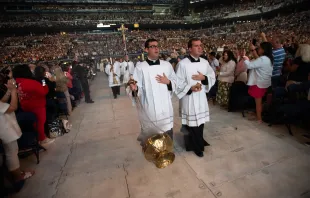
(9, 128)
(260, 72)
(214, 64)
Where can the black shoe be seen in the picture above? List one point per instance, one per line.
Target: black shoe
(115, 97)
(199, 153)
(90, 101)
(205, 143)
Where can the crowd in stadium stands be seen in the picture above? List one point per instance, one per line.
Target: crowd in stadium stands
(51, 47)
(51, 85)
(128, 16)
(219, 11)
(79, 20)
(89, 7)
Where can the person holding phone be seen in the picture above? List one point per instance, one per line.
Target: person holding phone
(32, 97)
(259, 78)
(10, 132)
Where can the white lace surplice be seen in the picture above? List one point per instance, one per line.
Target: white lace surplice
(194, 107)
(154, 103)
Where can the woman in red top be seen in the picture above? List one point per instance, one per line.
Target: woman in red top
(32, 97)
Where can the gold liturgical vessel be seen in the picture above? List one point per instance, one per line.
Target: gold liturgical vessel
(158, 149)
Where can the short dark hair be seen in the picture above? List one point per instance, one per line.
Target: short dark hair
(148, 41)
(212, 54)
(39, 73)
(267, 47)
(190, 42)
(22, 71)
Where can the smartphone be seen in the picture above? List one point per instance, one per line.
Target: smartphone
(43, 83)
(254, 41)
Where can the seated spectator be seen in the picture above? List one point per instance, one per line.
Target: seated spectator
(32, 98)
(299, 107)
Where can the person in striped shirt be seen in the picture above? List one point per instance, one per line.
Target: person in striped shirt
(278, 59)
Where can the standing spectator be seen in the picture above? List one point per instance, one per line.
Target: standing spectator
(226, 77)
(82, 75)
(51, 108)
(61, 90)
(279, 54)
(241, 71)
(9, 133)
(214, 63)
(67, 72)
(9, 129)
(32, 97)
(260, 74)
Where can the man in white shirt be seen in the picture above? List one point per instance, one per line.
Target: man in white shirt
(214, 63)
(196, 78)
(156, 81)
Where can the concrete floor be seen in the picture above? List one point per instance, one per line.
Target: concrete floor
(100, 157)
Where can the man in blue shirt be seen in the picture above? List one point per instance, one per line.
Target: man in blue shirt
(278, 59)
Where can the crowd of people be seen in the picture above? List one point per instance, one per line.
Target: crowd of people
(261, 59)
(219, 11)
(121, 14)
(53, 47)
(49, 92)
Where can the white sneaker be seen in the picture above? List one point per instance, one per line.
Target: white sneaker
(47, 141)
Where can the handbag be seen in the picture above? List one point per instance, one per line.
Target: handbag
(56, 128)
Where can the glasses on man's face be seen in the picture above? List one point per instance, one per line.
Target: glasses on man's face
(153, 47)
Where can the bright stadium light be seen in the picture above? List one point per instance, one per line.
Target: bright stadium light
(100, 25)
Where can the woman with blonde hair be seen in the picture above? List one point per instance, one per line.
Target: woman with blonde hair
(303, 51)
(62, 92)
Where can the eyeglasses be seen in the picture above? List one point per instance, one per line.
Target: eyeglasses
(153, 46)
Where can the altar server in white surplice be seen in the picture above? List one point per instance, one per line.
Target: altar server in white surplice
(196, 77)
(156, 80)
(114, 77)
(128, 68)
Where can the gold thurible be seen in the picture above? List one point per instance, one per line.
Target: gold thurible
(159, 150)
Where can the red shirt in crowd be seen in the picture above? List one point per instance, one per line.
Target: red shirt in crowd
(69, 76)
(31, 93)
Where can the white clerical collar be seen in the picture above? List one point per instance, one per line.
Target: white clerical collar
(196, 59)
(152, 60)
